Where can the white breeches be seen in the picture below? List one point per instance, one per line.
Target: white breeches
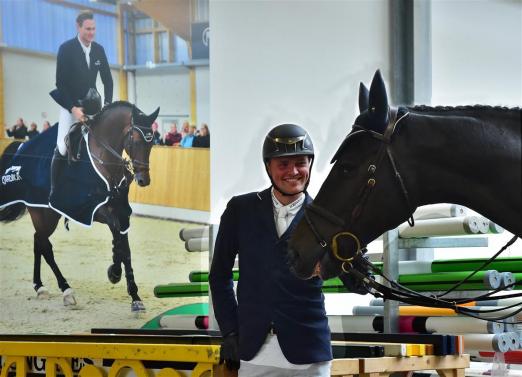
(64, 124)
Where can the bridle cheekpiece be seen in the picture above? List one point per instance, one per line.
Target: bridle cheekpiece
(371, 182)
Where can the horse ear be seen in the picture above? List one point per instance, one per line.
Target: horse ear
(378, 103)
(363, 98)
(152, 117)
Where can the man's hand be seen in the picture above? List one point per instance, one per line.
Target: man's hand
(229, 352)
(77, 112)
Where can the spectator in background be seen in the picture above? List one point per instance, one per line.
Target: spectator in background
(19, 130)
(46, 126)
(33, 132)
(203, 139)
(185, 129)
(188, 139)
(156, 136)
(173, 137)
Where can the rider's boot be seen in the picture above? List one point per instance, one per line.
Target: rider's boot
(57, 166)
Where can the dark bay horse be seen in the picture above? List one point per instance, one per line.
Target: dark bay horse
(119, 126)
(392, 162)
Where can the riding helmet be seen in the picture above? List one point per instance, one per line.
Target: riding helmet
(287, 140)
(91, 104)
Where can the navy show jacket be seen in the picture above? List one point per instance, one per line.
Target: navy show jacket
(268, 293)
(74, 78)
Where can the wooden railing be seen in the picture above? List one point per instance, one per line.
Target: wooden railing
(180, 177)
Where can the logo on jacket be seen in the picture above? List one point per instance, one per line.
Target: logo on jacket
(12, 174)
(97, 62)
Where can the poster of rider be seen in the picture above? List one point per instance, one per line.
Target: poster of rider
(269, 63)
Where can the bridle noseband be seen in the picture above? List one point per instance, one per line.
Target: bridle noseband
(384, 150)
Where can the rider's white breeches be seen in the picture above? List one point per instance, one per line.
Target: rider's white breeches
(64, 124)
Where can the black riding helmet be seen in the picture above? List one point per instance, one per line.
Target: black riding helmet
(91, 104)
(287, 140)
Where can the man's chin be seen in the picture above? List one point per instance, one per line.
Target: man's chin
(293, 189)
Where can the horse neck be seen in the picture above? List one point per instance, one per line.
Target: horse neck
(109, 132)
(470, 160)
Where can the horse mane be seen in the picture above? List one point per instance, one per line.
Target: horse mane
(468, 108)
(110, 106)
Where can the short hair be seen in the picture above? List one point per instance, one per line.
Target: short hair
(84, 15)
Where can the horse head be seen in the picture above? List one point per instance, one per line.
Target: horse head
(360, 187)
(138, 144)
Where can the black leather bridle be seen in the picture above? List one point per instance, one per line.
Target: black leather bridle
(384, 150)
(131, 164)
(147, 137)
(395, 291)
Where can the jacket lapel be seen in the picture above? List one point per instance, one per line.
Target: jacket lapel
(81, 54)
(266, 212)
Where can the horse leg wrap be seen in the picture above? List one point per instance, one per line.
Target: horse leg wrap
(114, 271)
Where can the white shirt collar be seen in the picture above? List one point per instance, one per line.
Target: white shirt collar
(284, 214)
(86, 49)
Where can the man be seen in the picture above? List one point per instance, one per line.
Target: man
(19, 130)
(173, 137)
(278, 324)
(78, 63)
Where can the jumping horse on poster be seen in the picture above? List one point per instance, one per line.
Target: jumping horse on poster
(119, 127)
(394, 160)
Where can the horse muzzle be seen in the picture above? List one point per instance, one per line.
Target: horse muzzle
(142, 179)
(304, 266)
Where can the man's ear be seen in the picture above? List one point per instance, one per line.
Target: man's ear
(267, 168)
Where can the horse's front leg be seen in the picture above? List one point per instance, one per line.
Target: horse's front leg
(122, 253)
(114, 270)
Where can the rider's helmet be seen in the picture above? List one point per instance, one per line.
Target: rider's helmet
(287, 140)
(91, 104)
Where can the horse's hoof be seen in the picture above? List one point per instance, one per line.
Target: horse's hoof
(68, 297)
(137, 307)
(42, 293)
(113, 274)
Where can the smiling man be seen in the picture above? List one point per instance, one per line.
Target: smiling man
(277, 324)
(77, 65)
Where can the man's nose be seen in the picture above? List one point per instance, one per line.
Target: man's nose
(293, 169)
